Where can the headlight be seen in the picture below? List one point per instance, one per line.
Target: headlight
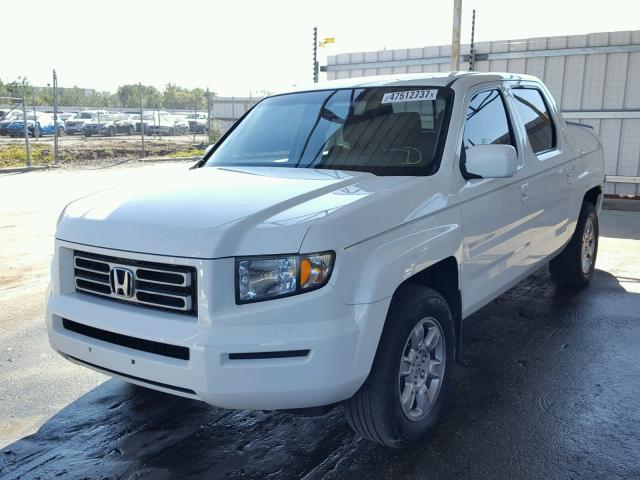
(264, 278)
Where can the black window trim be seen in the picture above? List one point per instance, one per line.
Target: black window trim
(514, 141)
(554, 125)
(441, 141)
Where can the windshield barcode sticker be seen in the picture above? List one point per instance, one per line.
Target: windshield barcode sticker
(409, 96)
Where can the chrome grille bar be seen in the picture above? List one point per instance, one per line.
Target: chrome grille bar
(162, 286)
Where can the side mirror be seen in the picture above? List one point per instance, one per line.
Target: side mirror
(492, 161)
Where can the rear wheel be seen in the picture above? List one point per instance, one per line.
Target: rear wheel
(401, 399)
(574, 267)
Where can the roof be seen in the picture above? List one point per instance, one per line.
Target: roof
(437, 79)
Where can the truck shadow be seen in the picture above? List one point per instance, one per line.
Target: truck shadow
(520, 384)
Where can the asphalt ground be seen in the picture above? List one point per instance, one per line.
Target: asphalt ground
(547, 386)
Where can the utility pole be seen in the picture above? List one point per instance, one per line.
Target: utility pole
(315, 54)
(472, 49)
(455, 41)
(56, 153)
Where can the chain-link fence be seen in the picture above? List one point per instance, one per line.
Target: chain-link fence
(70, 124)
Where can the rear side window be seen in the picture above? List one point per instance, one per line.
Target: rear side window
(487, 121)
(536, 117)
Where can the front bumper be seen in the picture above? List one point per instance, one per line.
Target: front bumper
(340, 340)
(72, 130)
(95, 130)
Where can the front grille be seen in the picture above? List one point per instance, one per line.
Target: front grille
(154, 285)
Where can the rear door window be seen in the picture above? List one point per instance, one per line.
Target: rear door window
(536, 117)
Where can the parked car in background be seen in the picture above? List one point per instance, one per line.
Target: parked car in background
(38, 124)
(7, 119)
(67, 115)
(149, 119)
(334, 258)
(75, 124)
(109, 125)
(166, 124)
(181, 124)
(197, 122)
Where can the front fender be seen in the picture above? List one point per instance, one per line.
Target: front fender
(373, 269)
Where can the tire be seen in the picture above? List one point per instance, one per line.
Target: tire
(376, 411)
(87, 134)
(575, 265)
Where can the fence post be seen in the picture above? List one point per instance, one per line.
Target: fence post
(195, 116)
(56, 153)
(26, 131)
(35, 116)
(208, 115)
(141, 121)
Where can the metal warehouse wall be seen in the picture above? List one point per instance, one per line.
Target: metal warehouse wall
(595, 78)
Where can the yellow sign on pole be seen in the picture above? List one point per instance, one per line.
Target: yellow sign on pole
(326, 41)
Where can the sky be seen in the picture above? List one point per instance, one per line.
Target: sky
(242, 47)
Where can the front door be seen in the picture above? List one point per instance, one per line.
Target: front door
(495, 221)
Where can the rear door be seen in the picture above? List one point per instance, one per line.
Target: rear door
(495, 221)
(550, 186)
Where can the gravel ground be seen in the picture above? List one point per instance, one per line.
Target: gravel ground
(547, 385)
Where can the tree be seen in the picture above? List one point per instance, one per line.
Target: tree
(126, 96)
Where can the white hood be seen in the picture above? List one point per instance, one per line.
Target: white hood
(217, 212)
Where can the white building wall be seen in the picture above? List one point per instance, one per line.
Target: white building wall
(597, 82)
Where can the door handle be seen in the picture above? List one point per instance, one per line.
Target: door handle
(570, 172)
(525, 191)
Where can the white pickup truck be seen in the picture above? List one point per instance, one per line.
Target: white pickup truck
(328, 248)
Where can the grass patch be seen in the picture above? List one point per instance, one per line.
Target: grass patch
(194, 152)
(16, 156)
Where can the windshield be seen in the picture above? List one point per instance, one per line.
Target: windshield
(86, 115)
(384, 131)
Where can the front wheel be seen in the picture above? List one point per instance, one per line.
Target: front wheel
(574, 266)
(401, 399)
